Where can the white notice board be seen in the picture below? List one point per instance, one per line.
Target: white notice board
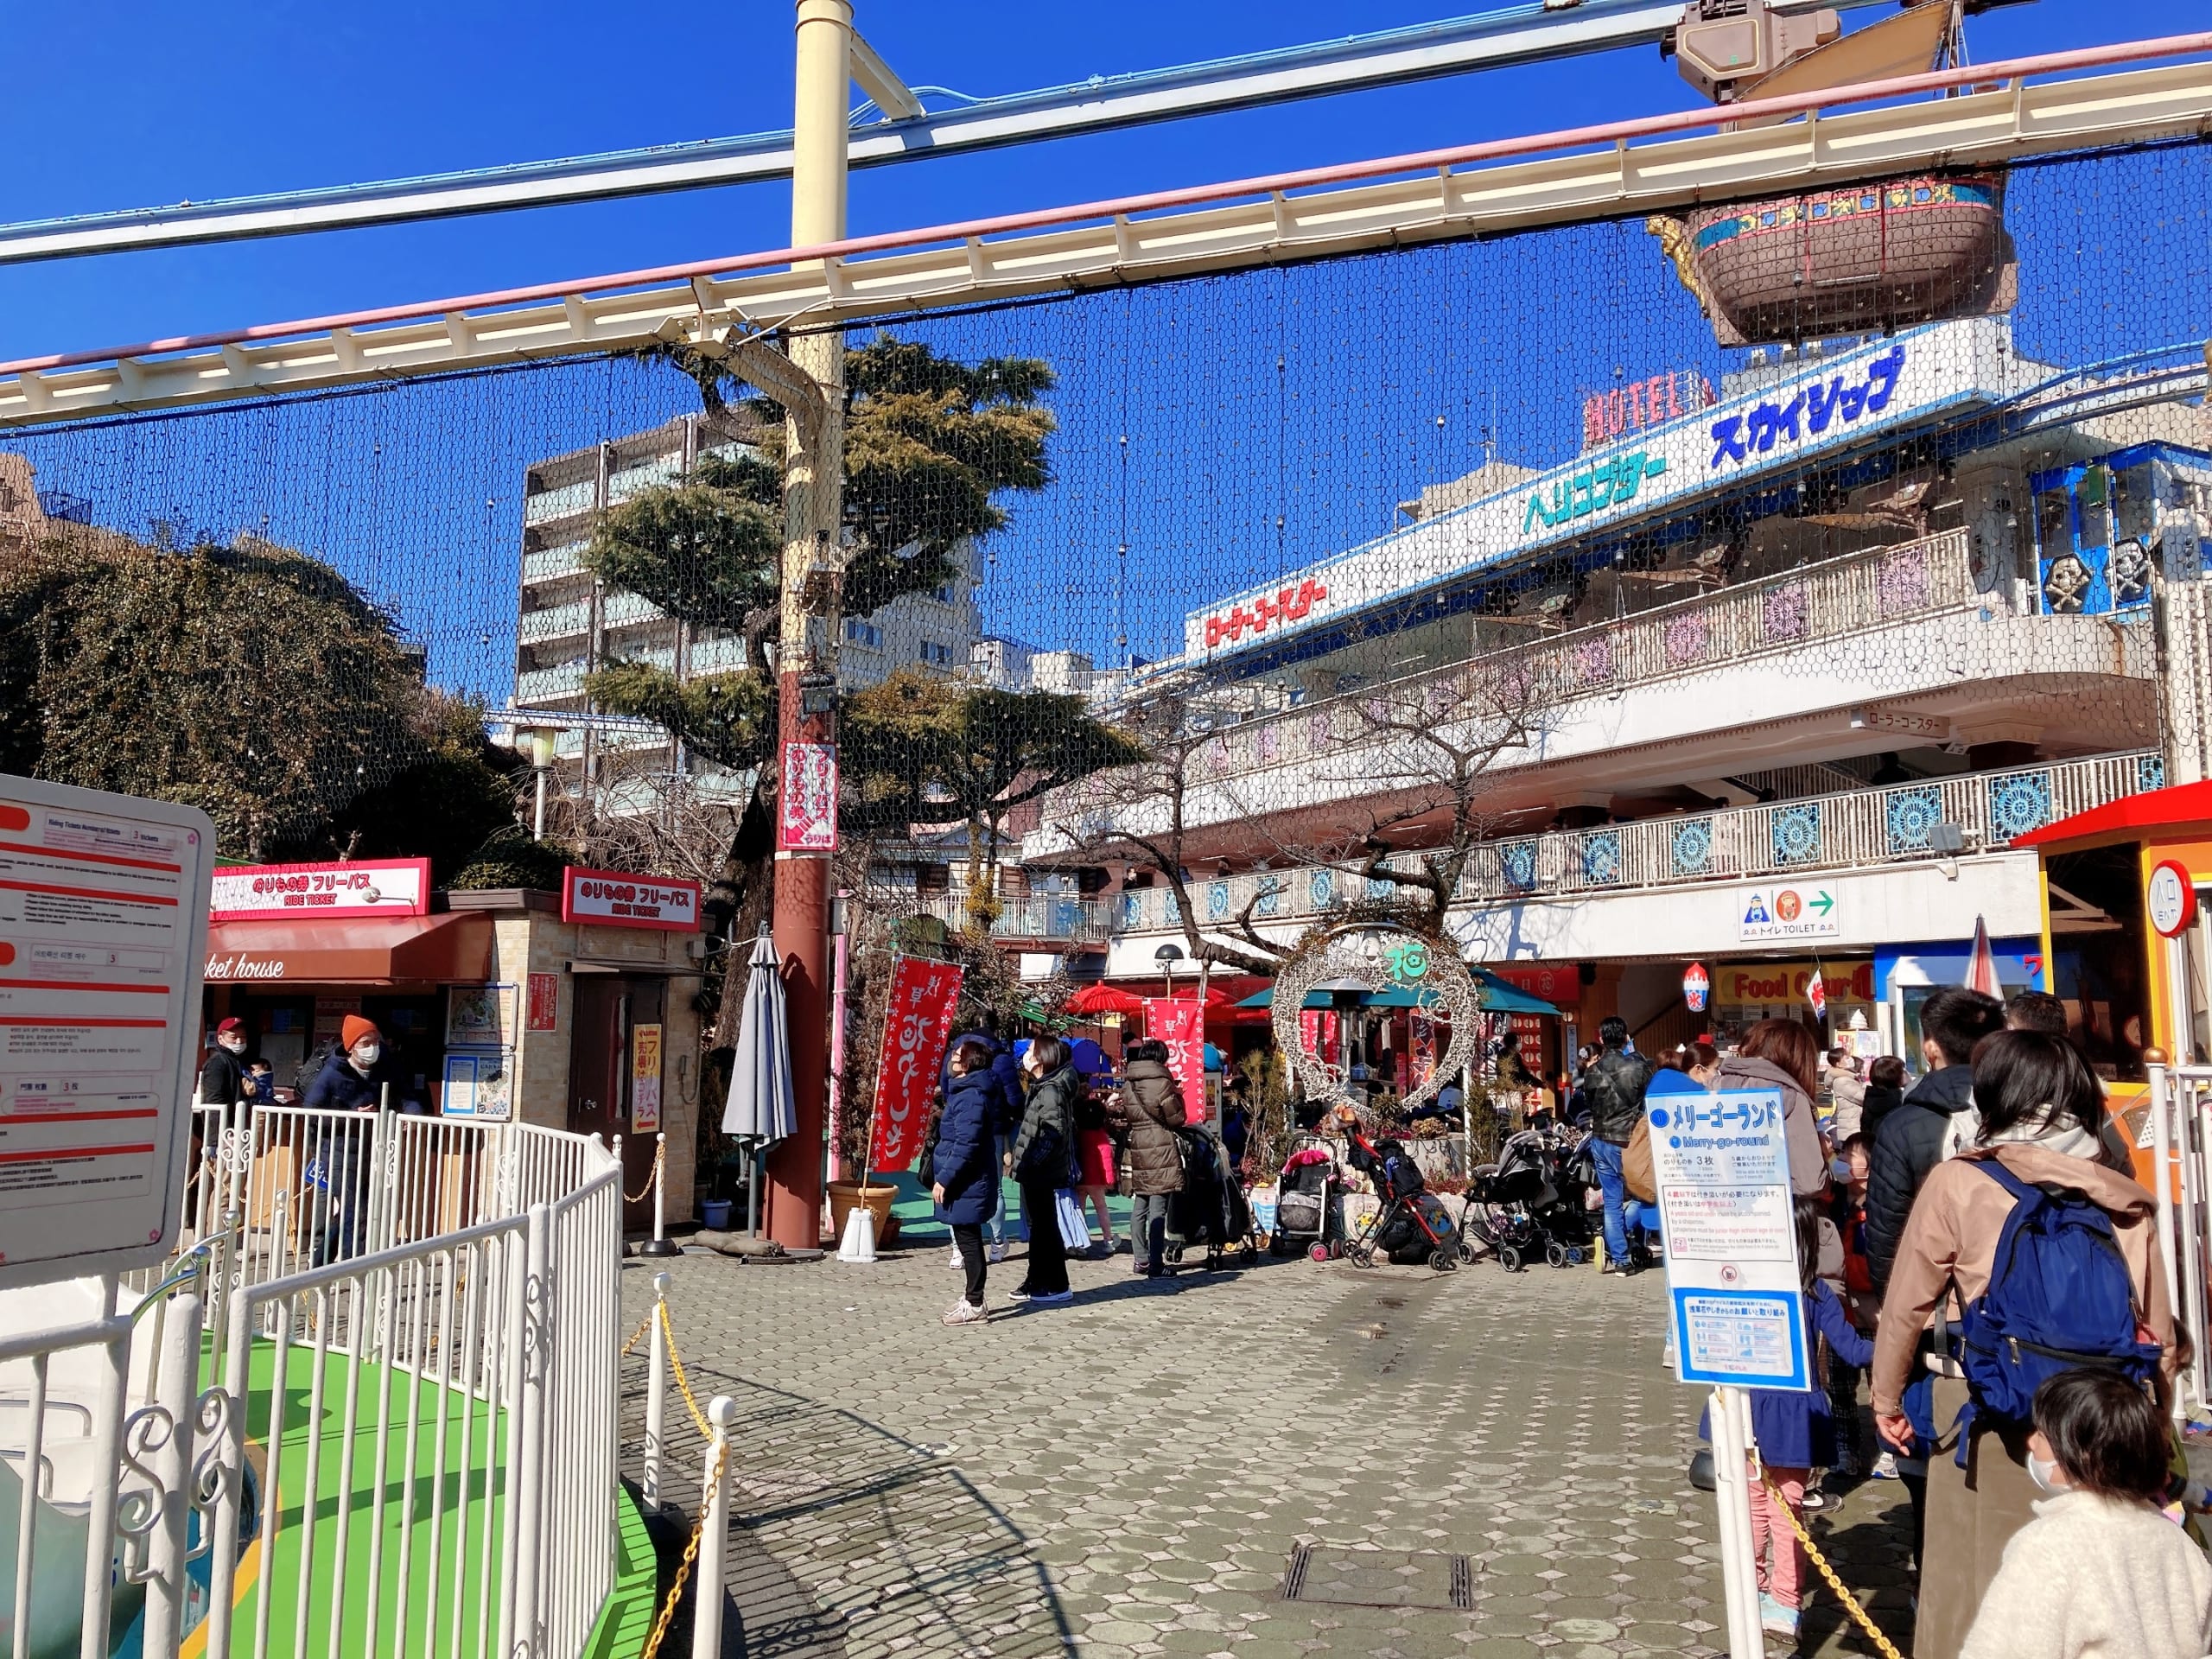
(1723, 1174)
(103, 939)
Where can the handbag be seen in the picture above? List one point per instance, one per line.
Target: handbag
(1075, 1231)
(1637, 1173)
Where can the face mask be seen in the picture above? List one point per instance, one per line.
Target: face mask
(1841, 1169)
(367, 1055)
(233, 1045)
(2041, 1471)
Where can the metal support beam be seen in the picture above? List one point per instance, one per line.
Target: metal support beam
(1524, 33)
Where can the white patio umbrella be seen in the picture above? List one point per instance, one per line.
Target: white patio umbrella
(760, 1111)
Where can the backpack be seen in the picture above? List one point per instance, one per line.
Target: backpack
(2058, 1300)
(1400, 1177)
(310, 1068)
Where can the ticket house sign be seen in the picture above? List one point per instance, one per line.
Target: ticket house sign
(610, 899)
(1732, 1242)
(366, 886)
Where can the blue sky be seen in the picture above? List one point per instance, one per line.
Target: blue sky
(1238, 469)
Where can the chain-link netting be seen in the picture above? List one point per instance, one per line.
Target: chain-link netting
(1761, 535)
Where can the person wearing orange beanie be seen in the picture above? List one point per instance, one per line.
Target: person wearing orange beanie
(351, 1080)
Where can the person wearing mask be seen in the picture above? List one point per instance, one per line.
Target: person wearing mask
(1614, 1087)
(1147, 1109)
(2100, 1572)
(1042, 1160)
(966, 1166)
(1846, 1092)
(351, 1080)
(1782, 1054)
(1885, 1094)
(1910, 1142)
(1702, 1061)
(1006, 1084)
(222, 1080)
(2041, 1111)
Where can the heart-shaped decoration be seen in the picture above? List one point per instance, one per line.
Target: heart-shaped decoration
(1368, 959)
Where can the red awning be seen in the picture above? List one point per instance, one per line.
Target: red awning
(451, 949)
(2156, 809)
(1103, 999)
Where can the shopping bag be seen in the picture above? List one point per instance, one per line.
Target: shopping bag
(1637, 1173)
(1074, 1232)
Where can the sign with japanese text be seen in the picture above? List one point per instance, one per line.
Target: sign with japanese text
(1180, 1023)
(917, 1024)
(479, 1084)
(645, 1078)
(611, 899)
(543, 1013)
(479, 1016)
(365, 886)
(1725, 1205)
(806, 806)
(103, 937)
(1557, 984)
(1791, 912)
(1810, 408)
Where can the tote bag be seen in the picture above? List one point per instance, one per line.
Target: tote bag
(1637, 1174)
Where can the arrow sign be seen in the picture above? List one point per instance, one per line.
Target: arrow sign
(1821, 902)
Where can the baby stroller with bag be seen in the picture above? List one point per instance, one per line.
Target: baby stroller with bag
(1211, 1210)
(1533, 1200)
(1412, 1223)
(1305, 1205)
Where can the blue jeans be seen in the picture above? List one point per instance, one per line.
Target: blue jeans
(997, 1222)
(1621, 1211)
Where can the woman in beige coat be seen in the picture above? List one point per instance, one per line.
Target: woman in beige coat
(2041, 1111)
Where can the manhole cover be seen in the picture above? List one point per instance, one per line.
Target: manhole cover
(1379, 1578)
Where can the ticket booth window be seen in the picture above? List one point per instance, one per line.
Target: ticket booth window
(2097, 956)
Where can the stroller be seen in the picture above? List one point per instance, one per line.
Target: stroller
(1211, 1210)
(1412, 1224)
(1534, 1199)
(1306, 1207)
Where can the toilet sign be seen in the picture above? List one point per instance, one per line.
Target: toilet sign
(1725, 1206)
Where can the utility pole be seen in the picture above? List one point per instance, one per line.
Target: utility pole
(806, 651)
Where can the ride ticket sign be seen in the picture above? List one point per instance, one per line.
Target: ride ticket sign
(613, 899)
(103, 935)
(1723, 1175)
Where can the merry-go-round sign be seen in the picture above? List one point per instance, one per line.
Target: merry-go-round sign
(1378, 956)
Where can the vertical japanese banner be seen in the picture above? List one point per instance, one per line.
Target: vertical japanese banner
(806, 806)
(917, 1024)
(1181, 1024)
(1424, 1055)
(644, 1079)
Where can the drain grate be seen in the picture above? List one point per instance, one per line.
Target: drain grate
(1379, 1578)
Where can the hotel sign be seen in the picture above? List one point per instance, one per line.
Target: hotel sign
(1825, 408)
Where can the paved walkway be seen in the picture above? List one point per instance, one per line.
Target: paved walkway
(1137, 1473)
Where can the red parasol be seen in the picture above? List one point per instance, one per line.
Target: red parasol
(1103, 999)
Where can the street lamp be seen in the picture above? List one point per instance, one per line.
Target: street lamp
(542, 741)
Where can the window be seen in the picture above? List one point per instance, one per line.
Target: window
(863, 633)
(934, 654)
(2054, 522)
(2097, 508)
(945, 595)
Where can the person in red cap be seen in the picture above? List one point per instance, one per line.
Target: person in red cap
(222, 1079)
(351, 1080)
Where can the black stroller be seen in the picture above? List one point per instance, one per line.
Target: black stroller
(1533, 1199)
(1306, 1215)
(1211, 1210)
(1412, 1223)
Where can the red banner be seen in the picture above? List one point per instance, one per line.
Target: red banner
(917, 1024)
(1424, 1065)
(1317, 1031)
(806, 806)
(1181, 1024)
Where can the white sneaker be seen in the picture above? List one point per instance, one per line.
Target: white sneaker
(955, 1264)
(998, 1253)
(1885, 1467)
(965, 1312)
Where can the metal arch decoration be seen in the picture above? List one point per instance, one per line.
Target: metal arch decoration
(1381, 957)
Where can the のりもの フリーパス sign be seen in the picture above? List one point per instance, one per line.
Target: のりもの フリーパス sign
(363, 887)
(613, 899)
(1780, 419)
(1725, 1206)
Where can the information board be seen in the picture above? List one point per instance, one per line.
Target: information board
(103, 936)
(1723, 1175)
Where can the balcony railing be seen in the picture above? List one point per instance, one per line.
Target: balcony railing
(1856, 830)
(1042, 916)
(1827, 601)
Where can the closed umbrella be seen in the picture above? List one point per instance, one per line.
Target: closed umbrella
(1981, 962)
(760, 1111)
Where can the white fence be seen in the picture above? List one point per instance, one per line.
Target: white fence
(402, 1438)
(2180, 1136)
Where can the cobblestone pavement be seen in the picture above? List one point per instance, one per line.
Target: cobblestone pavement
(1131, 1474)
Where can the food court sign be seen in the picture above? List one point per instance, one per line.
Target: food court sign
(1816, 409)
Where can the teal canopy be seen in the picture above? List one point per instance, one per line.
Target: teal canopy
(1497, 997)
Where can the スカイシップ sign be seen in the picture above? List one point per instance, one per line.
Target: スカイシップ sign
(611, 899)
(364, 887)
(1724, 1203)
(103, 936)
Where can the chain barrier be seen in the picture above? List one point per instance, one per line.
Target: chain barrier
(652, 1175)
(690, 1554)
(1882, 1643)
(644, 1325)
(683, 1383)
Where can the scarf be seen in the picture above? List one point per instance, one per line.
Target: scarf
(2036, 1129)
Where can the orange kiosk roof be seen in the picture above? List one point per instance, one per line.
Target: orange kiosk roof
(2131, 818)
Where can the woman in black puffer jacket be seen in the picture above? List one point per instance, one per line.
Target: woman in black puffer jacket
(1149, 1107)
(1042, 1161)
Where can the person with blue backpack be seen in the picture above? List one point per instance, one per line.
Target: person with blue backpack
(2029, 1256)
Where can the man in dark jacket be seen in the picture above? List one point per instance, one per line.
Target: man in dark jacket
(1148, 1108)
(1614, 1087)
(1910, 1141)
(222, 1079)
(351, 1080)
